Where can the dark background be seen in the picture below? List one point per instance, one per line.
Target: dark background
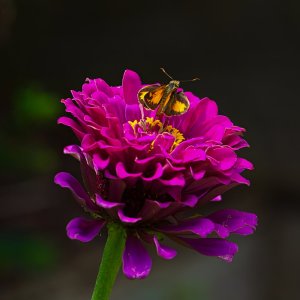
(247, 56)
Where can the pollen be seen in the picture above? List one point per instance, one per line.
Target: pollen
(177, 134)
(150, 126)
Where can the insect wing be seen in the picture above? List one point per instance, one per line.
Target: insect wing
(151, 95)
(177, 105)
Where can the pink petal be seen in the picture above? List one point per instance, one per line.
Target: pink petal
(66, 180)
(217, 198)
(190, 200)
(233, 221)
(199, 226)
(136, 261)
(175, 181)
(131, 85)
(164, 251)
(157, 173)
(100, 162)
(126, 219)
(123, 173)
(83, 229)
(213, 247)
(107, 204)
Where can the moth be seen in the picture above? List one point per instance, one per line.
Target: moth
(165, 98)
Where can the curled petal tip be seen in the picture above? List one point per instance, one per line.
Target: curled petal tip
(83, 229)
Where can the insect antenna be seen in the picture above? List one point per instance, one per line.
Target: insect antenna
(195, 79)
(165, 72)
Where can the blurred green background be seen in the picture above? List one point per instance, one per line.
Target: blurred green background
(247, 56)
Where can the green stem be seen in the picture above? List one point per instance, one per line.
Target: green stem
(111, 262)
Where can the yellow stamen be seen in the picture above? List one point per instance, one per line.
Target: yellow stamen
(151, 125)
(177, 134)
(133, 124)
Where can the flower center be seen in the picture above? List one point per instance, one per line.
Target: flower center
(150, 126)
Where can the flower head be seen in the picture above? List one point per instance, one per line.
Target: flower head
(141, 170)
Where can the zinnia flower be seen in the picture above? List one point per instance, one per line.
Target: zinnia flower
(141, 170)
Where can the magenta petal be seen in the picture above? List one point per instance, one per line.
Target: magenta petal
(244, 164)
(200, 226)
(88, 143)
(107, 204)
(132, 112)
(193, 154)
(100, 162)
(217, 199)
(225, 156)
(83, 229)
(101, 85)
(215, 131)
(157, 173)
(126, 219)
(214, 192)
(213, 247)
(163, 142)
(75, 151)
(178, 181)
(190, 200)
(131, 85)
(233, 221)
(164, 251)
(136, 261)
(66, 180)
(123, 173)
(204, 111)
(240, 179)
(197, 174)
(71, 123)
